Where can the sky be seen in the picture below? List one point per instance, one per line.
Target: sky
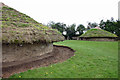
(66, 11)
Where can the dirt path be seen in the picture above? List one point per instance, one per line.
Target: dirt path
(59, 54)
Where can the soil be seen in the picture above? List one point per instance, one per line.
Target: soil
(24, 52)
(59, 54)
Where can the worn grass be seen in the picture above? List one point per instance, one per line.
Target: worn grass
(17, 27)
(92, 60)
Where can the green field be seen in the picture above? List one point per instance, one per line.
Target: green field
(92, 60)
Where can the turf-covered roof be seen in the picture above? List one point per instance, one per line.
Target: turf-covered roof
(98, 33)
(20, 28)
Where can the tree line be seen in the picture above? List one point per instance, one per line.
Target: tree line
(71, 31)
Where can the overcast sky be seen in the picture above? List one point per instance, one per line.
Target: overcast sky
(66, 11)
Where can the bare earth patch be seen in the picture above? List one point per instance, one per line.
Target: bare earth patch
(59, 54)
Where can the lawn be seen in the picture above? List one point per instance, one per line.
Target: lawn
(92, 60)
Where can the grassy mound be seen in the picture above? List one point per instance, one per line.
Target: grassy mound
(97, 33)
(19, 28)
(91, 60)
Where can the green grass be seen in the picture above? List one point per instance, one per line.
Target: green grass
(92, 60)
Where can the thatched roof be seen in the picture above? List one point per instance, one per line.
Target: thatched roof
(20, 28)
(98, 33)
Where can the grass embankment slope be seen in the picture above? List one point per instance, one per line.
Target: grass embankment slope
(98, 33)
(17, 27)
(91, 60)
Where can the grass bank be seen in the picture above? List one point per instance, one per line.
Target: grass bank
(92, 60)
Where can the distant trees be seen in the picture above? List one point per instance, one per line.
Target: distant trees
(71, 30)
(59, 26)
(108, 25)
(80, 29)
(111, 26)
(117, 29)
(91, 25)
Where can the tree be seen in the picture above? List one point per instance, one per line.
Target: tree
(117, 29)
(91, 25)
(102, 24)
(111, 26)
(80, 29)
(70, 30)
(59, 26)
